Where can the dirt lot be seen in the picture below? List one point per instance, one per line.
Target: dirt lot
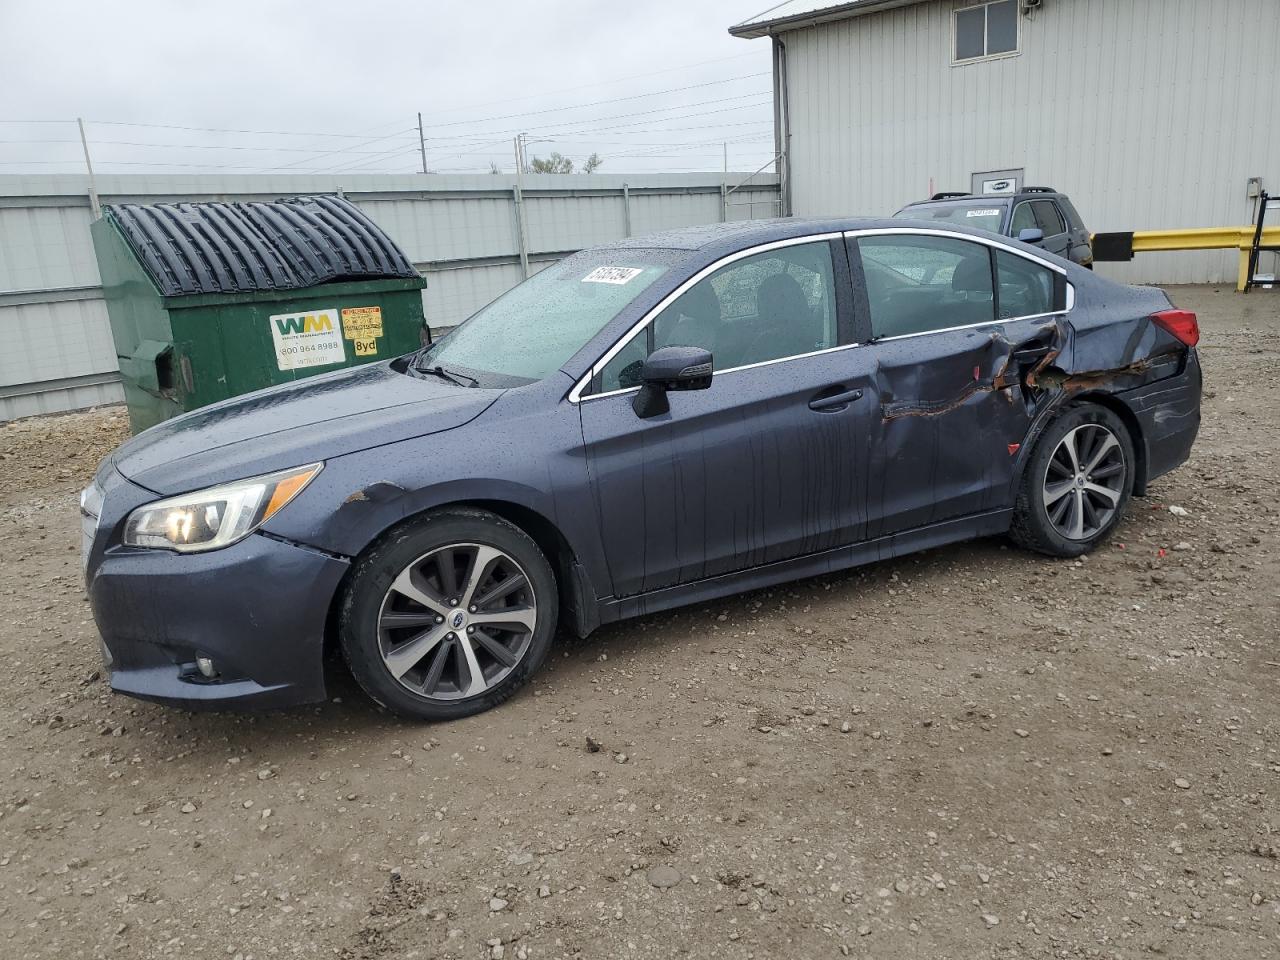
(969, 753)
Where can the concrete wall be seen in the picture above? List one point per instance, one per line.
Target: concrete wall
(460, 232)
(1148, 113)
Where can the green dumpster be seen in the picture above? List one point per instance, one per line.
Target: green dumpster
(211, 300)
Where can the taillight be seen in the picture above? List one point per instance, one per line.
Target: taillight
(1181, 323)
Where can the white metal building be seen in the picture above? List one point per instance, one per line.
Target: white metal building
(1150, 114)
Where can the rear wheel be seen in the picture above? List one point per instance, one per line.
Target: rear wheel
(1077, 484)
(449, 615)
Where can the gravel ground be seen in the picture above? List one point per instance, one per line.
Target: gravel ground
(972, 752)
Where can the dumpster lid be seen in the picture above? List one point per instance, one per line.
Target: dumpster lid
(239, 247)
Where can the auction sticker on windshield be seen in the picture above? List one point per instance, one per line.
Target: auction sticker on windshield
(982, 213)
(614, 275)
(312, 339)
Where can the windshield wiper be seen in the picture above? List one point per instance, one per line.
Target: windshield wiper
(461, 379)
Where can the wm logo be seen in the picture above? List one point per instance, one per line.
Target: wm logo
(308, 323)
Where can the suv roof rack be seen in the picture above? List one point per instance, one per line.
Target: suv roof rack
(949, 194)
(1038, 190)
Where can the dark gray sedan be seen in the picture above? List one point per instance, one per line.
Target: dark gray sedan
(657, 422)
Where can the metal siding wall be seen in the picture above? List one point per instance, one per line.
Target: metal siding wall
(54, 399)
(456, 294)
(448, 229)
(661, 211)
(53, 341)
(459, 231)
(1139, 110)
(44, 248)
(571, 223)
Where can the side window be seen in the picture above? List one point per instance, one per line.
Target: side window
(623, 371)
(1071, 214)
(1024, 218)
(920, 283)
(764, 307)
(1048, 218)
(1026, 288)
(985, 30)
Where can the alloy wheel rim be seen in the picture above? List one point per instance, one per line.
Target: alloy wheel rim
(455, 622)
(1084, 481)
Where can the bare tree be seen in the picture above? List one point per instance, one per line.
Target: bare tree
(558, 163)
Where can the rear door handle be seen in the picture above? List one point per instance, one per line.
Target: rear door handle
(836, 401)
(1030, 352)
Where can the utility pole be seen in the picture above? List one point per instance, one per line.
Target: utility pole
(520, 153)
(93, 189)
(422, 143)
(724, 186)
(517, 196)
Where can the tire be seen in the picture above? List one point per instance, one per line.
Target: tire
(1042, 521)
(422, 657)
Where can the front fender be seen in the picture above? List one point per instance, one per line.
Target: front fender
(526, 456)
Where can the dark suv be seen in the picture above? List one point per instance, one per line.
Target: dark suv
(1036, 215)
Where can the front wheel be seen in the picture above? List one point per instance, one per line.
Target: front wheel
(1077, 484)
(449, 615)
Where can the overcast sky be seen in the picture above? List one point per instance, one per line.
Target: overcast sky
(479, 72)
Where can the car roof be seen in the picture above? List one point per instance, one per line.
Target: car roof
(747, 232)
(1035, 193)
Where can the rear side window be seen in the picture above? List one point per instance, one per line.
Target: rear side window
(916, 284)
(1071, 213)
(1026, 288)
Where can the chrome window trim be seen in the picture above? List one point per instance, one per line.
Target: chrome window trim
(721, 373)
(575, 395)
(968, 326)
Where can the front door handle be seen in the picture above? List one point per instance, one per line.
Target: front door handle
(837, 401)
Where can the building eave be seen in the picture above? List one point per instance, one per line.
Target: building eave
(752, 29)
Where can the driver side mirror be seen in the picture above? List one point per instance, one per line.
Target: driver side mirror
(1031, 235)
(670, 368)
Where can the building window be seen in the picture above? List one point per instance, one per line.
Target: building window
(987, 30)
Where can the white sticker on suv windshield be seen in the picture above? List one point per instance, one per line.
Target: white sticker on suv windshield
(982, 213)
(615, 275)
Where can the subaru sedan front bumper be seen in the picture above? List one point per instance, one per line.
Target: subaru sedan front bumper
(253, 614)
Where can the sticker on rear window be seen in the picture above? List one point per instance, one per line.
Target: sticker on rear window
(982, 213)
(614, 275)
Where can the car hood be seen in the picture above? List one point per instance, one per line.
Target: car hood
(303, 422)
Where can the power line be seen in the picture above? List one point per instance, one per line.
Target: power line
(330, 153)
(556, 127)
(602, 83)
(190, 146)
(264, 133)
(598, 103)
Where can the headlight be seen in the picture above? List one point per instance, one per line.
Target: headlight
(216, 517)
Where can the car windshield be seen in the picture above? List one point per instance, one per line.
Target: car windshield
(530, 331)
(982, 214)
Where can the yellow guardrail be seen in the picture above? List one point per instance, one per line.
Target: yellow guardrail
(1122, 246)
